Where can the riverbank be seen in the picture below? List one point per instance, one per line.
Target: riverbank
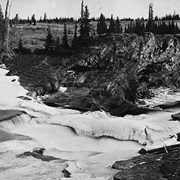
(160, 164)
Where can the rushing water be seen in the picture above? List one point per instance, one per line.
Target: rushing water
(87, 143)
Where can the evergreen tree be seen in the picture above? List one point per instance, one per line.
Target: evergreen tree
(86, 23)
(49, 42)
(111, 25)
(33, 20)
(82, 20)
(75, 40)
(101, 25)
(125, 29)
(142, 28)
(118, 26)
(16, 19)
(45, 18)
(177, 30)
(40, 20)
(150, 24)
(65, 39)
(58, 48)
(173, 28)
(156, 18)
(28, 20)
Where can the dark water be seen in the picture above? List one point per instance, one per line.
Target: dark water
(7, 136)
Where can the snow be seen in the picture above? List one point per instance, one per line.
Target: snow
(10, 90)
(90, 142)
(28, 168)
(98, 124)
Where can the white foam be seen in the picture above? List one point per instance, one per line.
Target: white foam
(99, 124)
(51, 129)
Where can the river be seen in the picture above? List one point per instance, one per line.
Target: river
(85, 144)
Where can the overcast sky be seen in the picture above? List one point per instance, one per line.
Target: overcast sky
(71, 8)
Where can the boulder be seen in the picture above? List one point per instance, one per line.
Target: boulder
(66, 173)
(150, 166)
(176, 117)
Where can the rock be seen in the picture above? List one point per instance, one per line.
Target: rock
(51, 104)
(38, 155)
(66, 173)
(107, 77)
(176, 116)
(150, 166)
(170, 105)
(24, 98)
(178, 136)
(142, 151)
(118, 107)
(39, 151)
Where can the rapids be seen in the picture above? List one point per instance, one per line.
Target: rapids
(89, 142)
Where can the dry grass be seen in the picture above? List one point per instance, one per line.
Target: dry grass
(34, 36)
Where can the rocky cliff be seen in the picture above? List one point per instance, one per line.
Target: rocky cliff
(107, 76)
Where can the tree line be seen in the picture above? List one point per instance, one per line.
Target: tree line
(85, 34)
(159, 28)
(152, 25)
(84, 37)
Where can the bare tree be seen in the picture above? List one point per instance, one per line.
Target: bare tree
(5, 36)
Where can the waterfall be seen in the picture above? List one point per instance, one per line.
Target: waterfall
(17, 122)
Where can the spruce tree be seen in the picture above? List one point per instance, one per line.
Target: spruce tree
(82, 20)
(118, 26)
(65, 39)
(28, 20)
(101, 25)
(45, 18)
(58, 47)
(75, 40)
(86, 23)
(49, 42)
(16, 19)
(111, 25)
(150, 24)
(33, 20)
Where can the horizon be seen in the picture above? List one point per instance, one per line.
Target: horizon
(71, 8)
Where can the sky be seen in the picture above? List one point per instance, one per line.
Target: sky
(71, 8)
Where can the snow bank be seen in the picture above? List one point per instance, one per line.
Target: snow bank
(10, 89)
(28, 168)
(96, 124)
(49, 128)
(89, 124)
(99, 124)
